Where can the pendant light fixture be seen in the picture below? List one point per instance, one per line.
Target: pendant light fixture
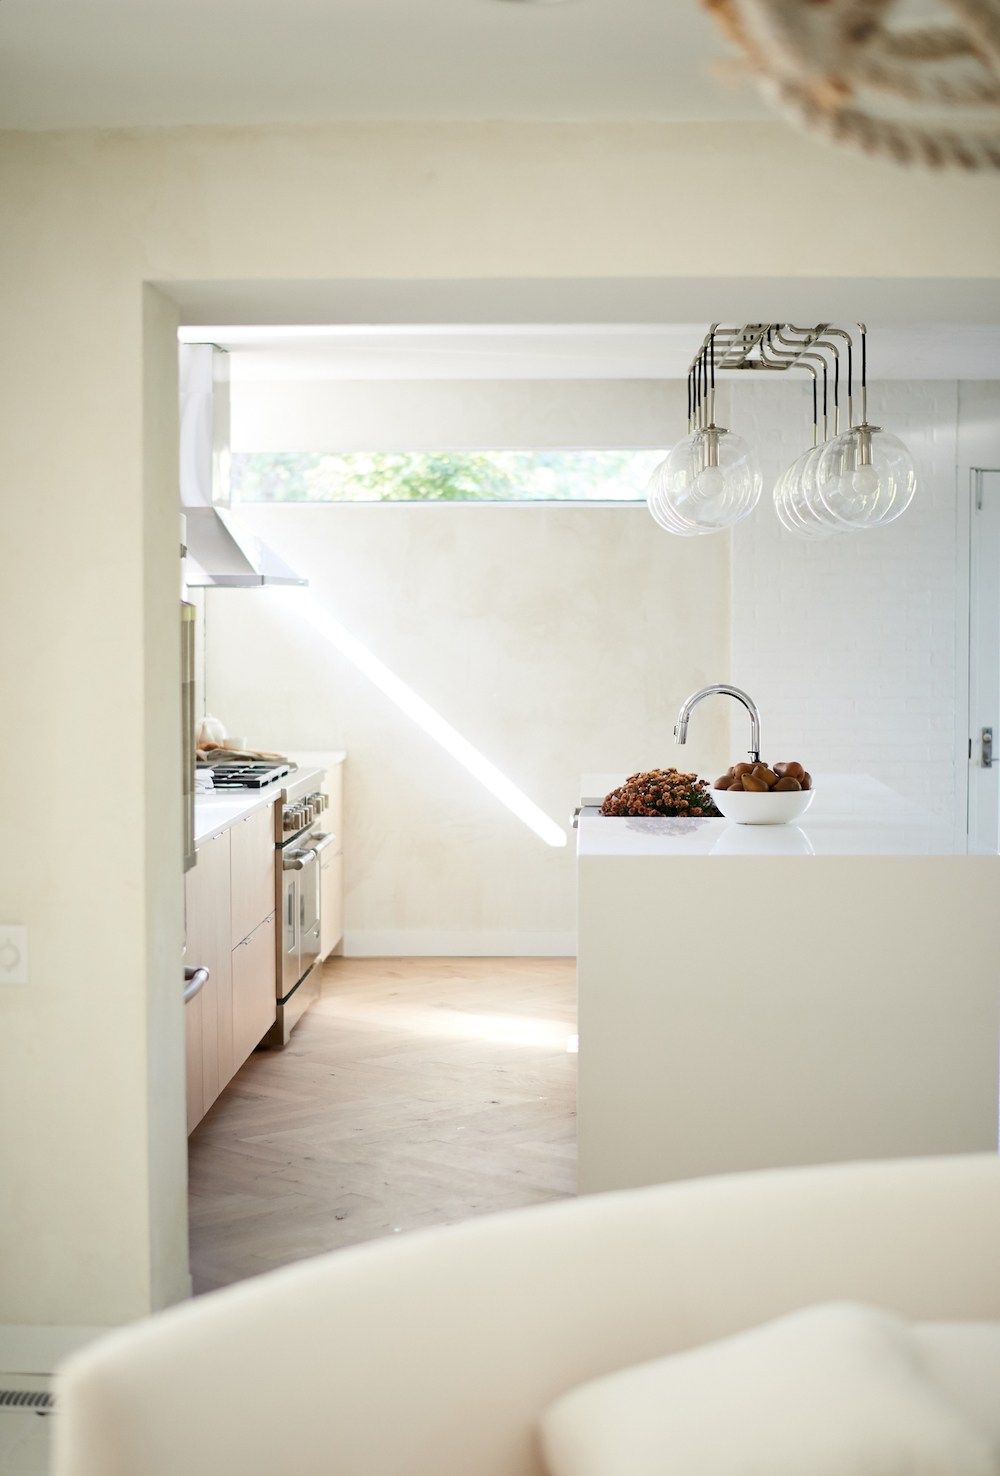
(865, 477)
(710, 480)
(849, 479)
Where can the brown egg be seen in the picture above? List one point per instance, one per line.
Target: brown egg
(726, 782)
(739, 770)
(786, 785)
(754, 785)
(806, 780)
(792, 770)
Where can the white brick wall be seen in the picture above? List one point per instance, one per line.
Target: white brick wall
(848, 645)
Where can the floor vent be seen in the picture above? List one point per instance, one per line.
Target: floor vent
(25, 1399)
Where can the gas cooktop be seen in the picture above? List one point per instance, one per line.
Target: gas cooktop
(257, 775)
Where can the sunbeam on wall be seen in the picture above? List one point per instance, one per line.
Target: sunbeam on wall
(304, 607)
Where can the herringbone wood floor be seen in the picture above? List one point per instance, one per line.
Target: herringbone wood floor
(415, 1092)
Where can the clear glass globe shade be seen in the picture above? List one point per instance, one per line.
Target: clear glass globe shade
(808, 501)
(866, 478)
(791, 502)
(710, 480)
(781, 507)
(661, 510)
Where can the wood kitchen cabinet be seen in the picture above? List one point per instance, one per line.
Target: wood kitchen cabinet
(207, 901)
(230, 905)
(252, 873)
(254, 1005)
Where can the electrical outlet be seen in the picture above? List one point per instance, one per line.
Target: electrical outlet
(13, 954)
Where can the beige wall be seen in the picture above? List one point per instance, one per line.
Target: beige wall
(558, 640)
(164, 1168)
(92, 1163)
(414, 415)
(91, 1047)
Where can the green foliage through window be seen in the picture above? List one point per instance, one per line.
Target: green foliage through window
(442, 476)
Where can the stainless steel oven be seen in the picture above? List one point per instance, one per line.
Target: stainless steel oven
(299, 842)
(299, 915)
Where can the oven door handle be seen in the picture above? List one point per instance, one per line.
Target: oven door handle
(319, 843)
(297, 860)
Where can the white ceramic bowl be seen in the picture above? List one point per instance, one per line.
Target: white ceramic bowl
(768, 808)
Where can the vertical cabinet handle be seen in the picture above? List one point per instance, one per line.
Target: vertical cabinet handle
(987, 748)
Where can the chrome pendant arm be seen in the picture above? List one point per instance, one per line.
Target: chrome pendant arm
(830, 329)
(817, 341)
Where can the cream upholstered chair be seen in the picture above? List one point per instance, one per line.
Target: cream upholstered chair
(434, 1354)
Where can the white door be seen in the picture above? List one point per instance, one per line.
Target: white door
(984, 663)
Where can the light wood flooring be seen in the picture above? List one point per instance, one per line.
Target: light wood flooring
(415, 1092)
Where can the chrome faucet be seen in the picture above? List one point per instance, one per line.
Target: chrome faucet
(681, 727)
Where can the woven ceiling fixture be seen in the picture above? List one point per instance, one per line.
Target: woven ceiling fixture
(830, 65)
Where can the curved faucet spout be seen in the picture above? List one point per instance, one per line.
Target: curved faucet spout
(720, 688)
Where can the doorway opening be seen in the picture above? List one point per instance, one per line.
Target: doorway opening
(434, 1078)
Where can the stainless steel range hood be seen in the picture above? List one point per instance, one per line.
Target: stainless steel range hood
(221, 552)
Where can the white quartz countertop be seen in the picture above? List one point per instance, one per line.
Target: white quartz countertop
(852, 815)
(316, 758)
(216, 810)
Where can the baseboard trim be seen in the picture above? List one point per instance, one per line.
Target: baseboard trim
(476, 943)
(27, 1349)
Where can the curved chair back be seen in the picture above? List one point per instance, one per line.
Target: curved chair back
(434, 1354)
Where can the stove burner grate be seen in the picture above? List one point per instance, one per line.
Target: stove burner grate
(247, 776)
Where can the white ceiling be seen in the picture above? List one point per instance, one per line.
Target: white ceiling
(112, 63)
(584, 351)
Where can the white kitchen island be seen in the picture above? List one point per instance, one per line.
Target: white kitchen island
(752, 996)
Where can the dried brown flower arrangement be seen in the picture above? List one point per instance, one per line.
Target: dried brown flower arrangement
(660, 792)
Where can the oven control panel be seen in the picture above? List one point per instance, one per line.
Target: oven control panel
(297, 816)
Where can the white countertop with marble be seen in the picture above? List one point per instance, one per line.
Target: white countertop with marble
(852, 815)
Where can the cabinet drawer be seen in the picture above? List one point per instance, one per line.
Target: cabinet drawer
(208, 926)
(254, 998)
(252, 872)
